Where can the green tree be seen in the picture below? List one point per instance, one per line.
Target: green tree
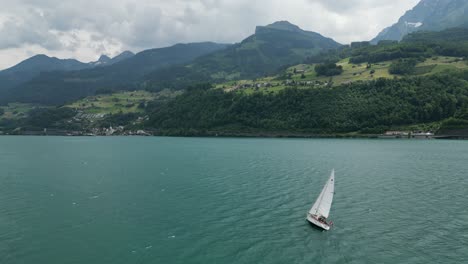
(328, 69)
(403, 67)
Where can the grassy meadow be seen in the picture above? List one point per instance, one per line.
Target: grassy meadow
(351, 73)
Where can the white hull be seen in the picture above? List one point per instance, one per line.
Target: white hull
(314, 221)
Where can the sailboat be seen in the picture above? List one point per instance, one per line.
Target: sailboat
(319, 212)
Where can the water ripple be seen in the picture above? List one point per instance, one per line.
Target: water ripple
(168, 200)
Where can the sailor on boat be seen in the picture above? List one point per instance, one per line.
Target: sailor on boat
(322, 220)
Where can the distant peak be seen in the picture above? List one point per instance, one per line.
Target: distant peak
(122, 56)
(39, 57)
(280, 25)
(284, 25)
(104, 58)
(125, 53)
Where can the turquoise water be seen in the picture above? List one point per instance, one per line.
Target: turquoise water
(203, 200)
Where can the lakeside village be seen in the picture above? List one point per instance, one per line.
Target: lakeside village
(407, 134)
(81, 117)
(110, 131)
(123, 131)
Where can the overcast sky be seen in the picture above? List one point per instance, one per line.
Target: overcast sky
(85, 29)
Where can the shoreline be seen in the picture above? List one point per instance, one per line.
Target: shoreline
(216, 134)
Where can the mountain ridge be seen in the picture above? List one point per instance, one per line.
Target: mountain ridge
(47, 87)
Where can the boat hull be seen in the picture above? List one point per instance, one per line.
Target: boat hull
(317, 223)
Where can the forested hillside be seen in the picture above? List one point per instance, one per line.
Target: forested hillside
(371, 107)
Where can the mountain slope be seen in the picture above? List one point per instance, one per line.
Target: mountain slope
(61, 87)
(270, 48)
(454, 36)
(428, 15)
(31, 67)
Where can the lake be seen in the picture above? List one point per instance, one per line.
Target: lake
(226, 200)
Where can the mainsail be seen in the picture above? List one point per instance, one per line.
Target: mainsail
(324, 201)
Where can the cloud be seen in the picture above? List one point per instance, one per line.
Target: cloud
(29, 29)
(353, 5)
(85, 29)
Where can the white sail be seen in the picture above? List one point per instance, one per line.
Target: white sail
(324, 201)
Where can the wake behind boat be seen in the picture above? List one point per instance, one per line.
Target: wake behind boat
(320, 211)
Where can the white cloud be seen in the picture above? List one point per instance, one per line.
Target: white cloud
(87, 28)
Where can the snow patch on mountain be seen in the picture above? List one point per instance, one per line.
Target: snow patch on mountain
(414, 25)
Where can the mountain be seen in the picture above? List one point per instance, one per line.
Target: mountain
(177, 67)
(428, 15)
(33, 66)
(270, 48)
(105, 60)
(61, 87)
(122, 56)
